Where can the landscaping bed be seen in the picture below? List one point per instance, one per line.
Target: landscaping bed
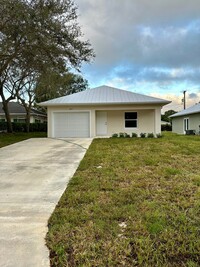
(132, 202)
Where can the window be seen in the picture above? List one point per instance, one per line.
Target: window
(186, 124)
(37, 121)
(130, 119)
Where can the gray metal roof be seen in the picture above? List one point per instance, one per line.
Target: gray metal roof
(104, 95)
(190, 110)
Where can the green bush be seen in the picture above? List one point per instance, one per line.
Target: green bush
(143, 135)
(166, 127)
(115, 135)
(150, 135)
(38, 127)
(121, 135)
(21, 127)
(134, 135)
(3, 126)
(126, 135)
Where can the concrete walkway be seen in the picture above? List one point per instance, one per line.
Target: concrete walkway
(33, 175)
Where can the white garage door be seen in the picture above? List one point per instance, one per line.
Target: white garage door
(71, 124)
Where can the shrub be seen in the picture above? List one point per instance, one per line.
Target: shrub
(126, 135)
(21, 127)
(134, 135)
(38, 127)
(143, 135)
(3, 126)
(121, 135)
(115, 135)
(166, 127)
(150, 135)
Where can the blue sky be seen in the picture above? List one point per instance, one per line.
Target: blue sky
(148, 47)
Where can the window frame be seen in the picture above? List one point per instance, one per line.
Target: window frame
(186, 124)
(135, 120)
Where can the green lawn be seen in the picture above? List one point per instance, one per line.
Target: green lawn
(8, 139)
(132, 202)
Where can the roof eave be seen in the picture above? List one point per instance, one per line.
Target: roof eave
(181, 115)
(162, 103)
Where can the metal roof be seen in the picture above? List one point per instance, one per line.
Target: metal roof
(104, 95)
(190, 110)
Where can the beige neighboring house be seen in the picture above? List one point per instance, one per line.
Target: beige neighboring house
(18, 114)
(103, 111)
(187, 120)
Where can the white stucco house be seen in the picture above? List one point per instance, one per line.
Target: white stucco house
(187, 120)
(103, 111)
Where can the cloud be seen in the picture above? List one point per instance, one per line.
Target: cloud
(152, 44)
(193, 96)
(176, 101)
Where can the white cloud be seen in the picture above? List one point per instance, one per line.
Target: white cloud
(142, 42)
(177, 103)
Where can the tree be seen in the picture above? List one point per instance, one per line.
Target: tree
(39, 34)
(167, 114)
(51, 85)
(26, 97)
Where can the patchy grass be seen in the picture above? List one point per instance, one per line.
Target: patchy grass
(132, 202)
(11, 138)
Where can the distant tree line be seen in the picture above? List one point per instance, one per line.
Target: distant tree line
(167, 114)
(40, 43)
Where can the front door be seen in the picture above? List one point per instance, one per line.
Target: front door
(101, 123)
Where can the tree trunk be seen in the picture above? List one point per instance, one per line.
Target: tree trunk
(28, 112)
(7, 113)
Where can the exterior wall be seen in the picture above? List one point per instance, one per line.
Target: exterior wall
(177, 125)
(22, 117)
(194, 122)
(145, 121)
(148, 117)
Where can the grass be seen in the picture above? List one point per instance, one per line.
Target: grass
(11, 138)
(132, 202)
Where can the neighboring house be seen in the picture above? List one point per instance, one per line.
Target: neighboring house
(186, 120)
(18, 113)
(103, 111)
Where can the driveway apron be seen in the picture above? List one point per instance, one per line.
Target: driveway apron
(33, 175)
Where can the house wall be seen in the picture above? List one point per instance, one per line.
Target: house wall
(23, 118)
(145, 121)
(148, 117)
(194, 122)
(177, 125)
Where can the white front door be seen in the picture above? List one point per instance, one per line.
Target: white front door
(101, 123)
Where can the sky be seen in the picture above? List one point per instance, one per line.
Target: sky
(147, 47)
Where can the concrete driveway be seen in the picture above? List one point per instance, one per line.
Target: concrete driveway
(33, 175)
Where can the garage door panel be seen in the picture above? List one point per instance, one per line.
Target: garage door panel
(71, 124)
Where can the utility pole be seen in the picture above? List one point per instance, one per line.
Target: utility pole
(184, 100)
